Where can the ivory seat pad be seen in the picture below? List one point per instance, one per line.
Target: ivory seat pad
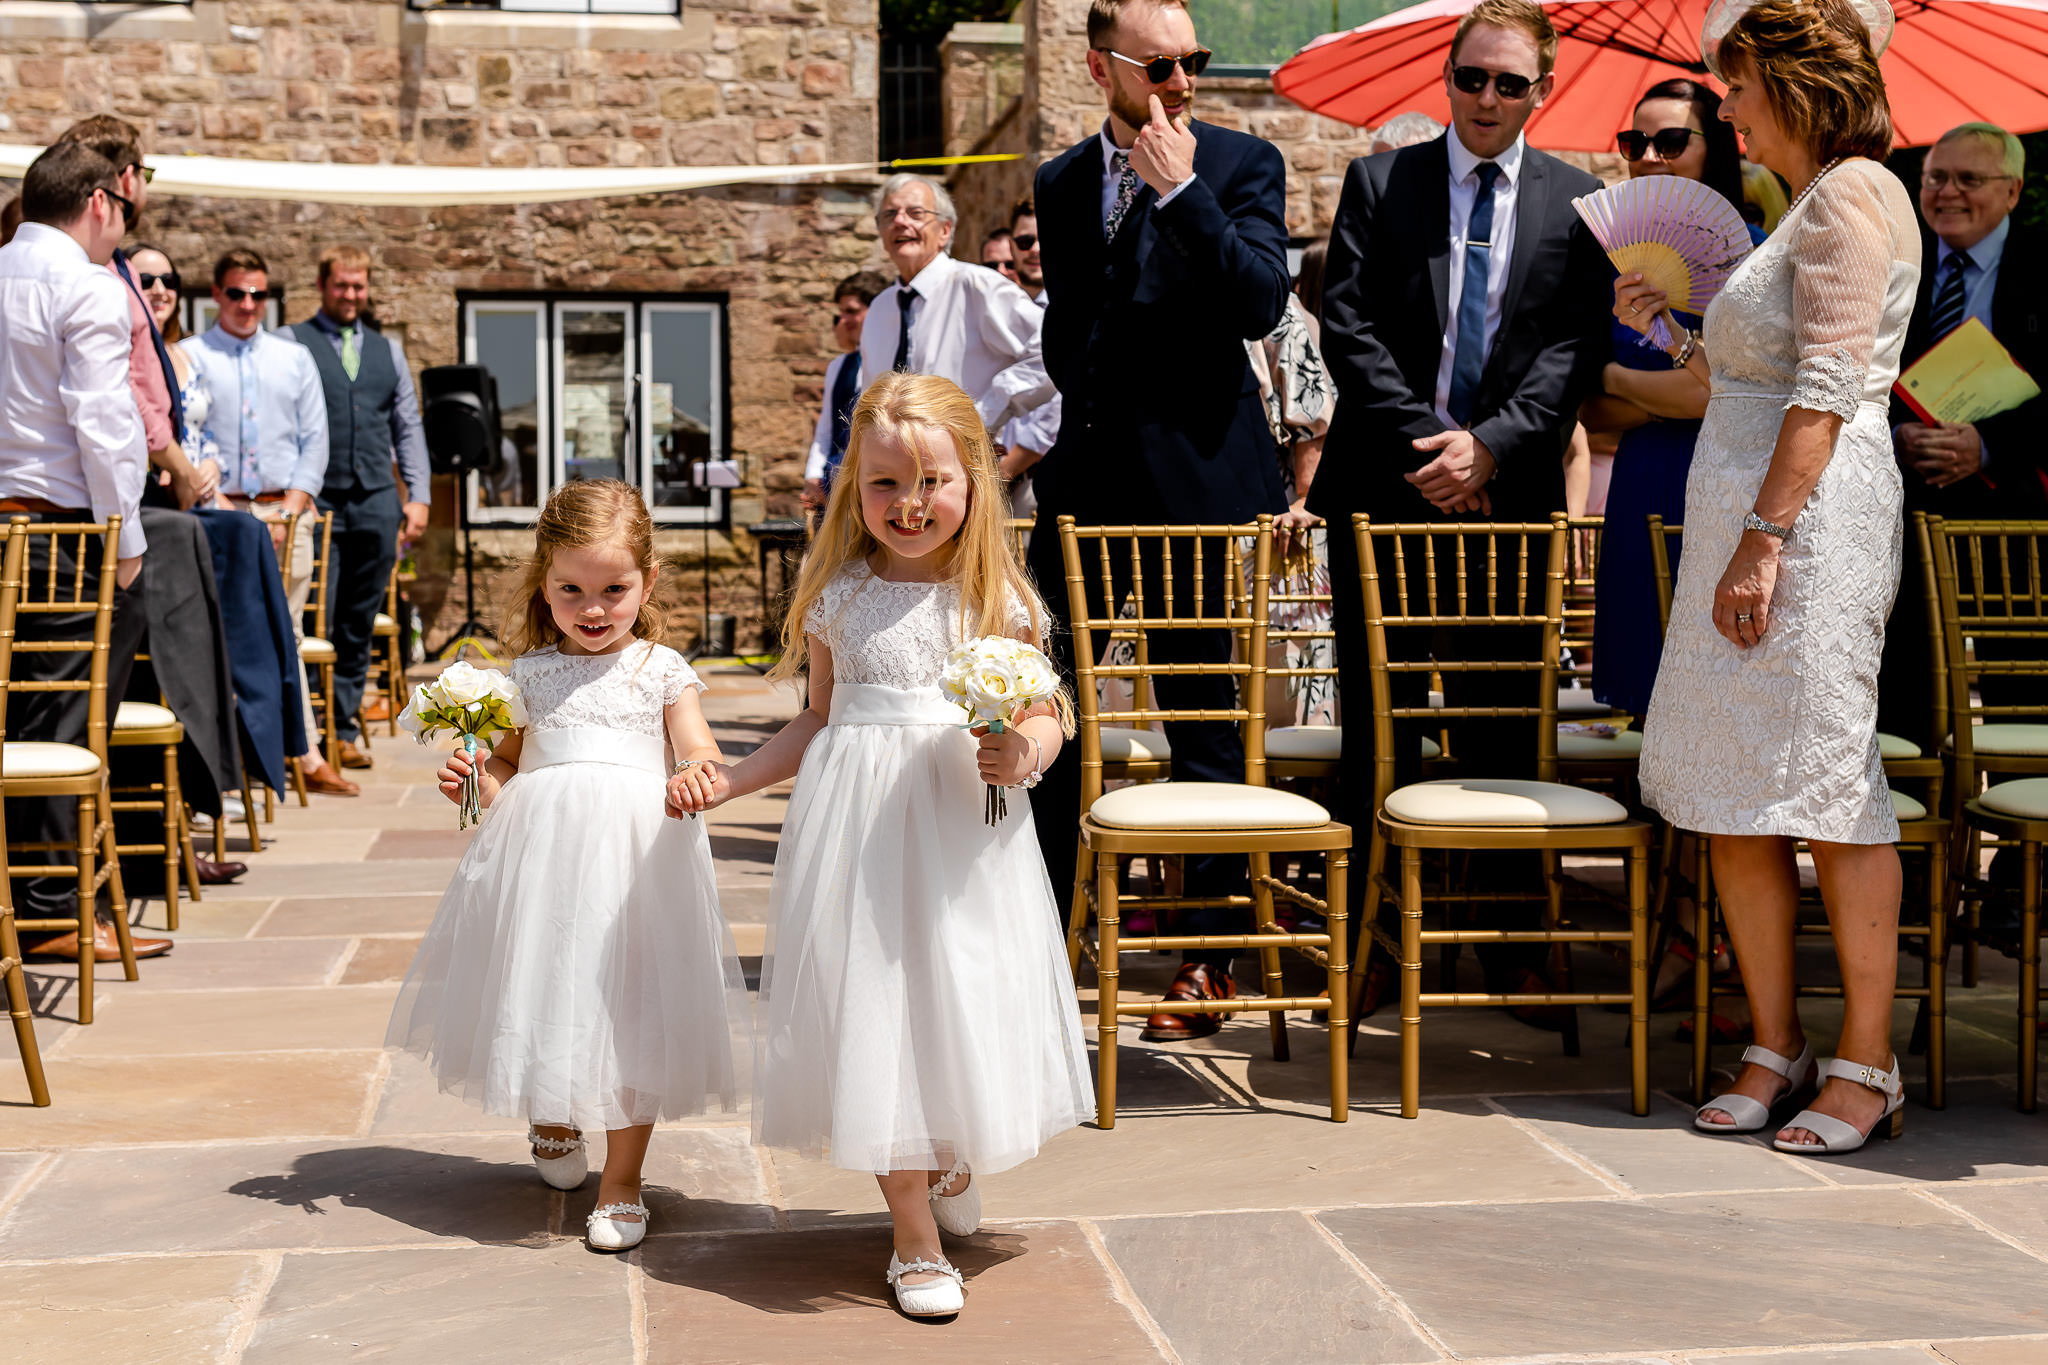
(1895, 746)
(1628, 744)
(315, 650)
(384, 625)
(1579, 701)
(1501, 801)
(2025, 799)
(1205, 805)
(2014, 740)
(1906, 808)
(1126, 744)
(37, 758)
(143, 715)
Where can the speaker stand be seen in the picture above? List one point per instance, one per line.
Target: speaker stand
(472, 632)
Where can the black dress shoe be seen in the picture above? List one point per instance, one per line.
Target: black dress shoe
(218, 874)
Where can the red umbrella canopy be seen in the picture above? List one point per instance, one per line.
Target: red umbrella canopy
(1950, 62)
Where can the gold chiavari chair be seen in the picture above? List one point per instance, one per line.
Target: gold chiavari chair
(1575, 700)
(1994, 621)
(148, 725)
(1159, 819)
(315, 650)
(18, 1007)
(1423, 583)
(391, 664)
(67, 771)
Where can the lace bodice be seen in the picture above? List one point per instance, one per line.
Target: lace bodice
(624, 691)
(1827, 334)
(892, 634)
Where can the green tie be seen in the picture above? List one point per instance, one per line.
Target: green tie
(351, 359)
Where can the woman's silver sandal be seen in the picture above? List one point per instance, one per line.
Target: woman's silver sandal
(1753, 1116)
(959, 1214)
(938, 1298)
(606, 1233)
(1837, 1136)
(560, 1161)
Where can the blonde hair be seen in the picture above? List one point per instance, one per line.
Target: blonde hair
(342, 256)
(909, 409)
(579, 515)
(1516, 16)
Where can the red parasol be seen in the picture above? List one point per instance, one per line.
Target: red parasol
(1950, 62)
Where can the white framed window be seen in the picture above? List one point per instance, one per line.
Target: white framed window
(199, 311)
(558, 6)
(599, 386)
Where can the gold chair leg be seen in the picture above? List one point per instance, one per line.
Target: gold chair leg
(1411, 982)
(1937, 975)
(1077, 911)
(249, 812)
(1369, 910)
(329, 722)
(298, 771)
(185, 851)
(220, 837)
(1261, 865)
(1972, 867)
(394, 684)
(2030, 972)
(1560, 953)
(18, 1010)
(1106, 910)
(88, 901)
(1639, 981)
(1702, 968)
(1336, 918)
(117, 894)
(174, 801)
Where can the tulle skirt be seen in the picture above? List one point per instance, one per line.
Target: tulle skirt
(916, 1004)
(578, 970)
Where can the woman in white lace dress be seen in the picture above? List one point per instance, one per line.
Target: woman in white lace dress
(1762, 730)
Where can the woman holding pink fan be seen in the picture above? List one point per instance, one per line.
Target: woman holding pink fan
(1763, 725)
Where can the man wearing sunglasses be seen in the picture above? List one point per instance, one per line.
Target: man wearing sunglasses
(1165, 250)
(1024, 240)
(1464, 317)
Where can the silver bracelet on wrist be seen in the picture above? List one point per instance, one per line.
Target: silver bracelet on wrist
(1032, 778)
(1753, 522)
(684, 765)
(1685, 352)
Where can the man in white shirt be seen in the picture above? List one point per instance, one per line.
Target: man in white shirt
(945, 317)
(71, 450)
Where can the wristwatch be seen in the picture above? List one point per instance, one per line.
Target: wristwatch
(1753, 522)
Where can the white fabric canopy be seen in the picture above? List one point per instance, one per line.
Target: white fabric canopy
(322, 182)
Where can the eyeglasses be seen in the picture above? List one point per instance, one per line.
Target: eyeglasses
(1969, 182)
(1669, 142)
(918, 216)
(168, 280)
(1006, 267)
(1025, 241)
(254, 295)
(148, 173)
(1159, 70)
(127, 204)
(1509, 86)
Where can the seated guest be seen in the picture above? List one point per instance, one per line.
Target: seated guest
(843, 383)
(71, 450)
(160, 283)
(269, 419)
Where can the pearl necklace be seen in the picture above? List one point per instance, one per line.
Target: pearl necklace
(1800, 197)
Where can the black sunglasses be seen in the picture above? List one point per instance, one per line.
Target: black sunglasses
(1159, 70)
(237, 295)
(1669, 142)
(1025, 241)
(1006, 267)
(127, 204)
(1509, 86)
(168, 280)
(148, 173)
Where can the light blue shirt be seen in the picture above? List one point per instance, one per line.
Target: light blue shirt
(1984, 283)
(269, 416)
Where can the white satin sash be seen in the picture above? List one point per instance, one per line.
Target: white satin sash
(874, 704)
(593, 744)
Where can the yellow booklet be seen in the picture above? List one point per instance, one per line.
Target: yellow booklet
(1965, 376)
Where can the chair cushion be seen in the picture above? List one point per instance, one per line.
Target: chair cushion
(2014, 740)
(33, 758)
(1501, 801)
(1579, 701)
(1205, 805)
(143, 715)
(1906, 808)
(1578, 744)
(1431, 750)
(2025, 799)
(1322, 743)
(384, 625)
(315, 650)
(1129, 745)
(1892, 746)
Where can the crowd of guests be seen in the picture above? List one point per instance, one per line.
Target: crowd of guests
(221, 440)
(1460, 349)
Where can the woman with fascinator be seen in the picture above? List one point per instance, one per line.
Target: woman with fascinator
(1762, 729)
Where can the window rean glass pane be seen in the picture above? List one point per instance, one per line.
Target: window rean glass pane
(685, 390)
(565, 6)
(1259, 33)
(506, 339)
(595, 346)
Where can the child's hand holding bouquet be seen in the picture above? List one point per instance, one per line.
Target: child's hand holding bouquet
(996, 680)
(478, 704)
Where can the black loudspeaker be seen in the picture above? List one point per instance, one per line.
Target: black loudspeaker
(461, 418)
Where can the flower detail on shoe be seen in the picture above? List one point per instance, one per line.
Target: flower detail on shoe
(606, 1231)
(934, 1299)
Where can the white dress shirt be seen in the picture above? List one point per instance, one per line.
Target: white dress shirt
(70, 432)
(1464, 192)
(967, 324)
(1111, 175)
(821, 439)
(1037, 429)
(271, 430)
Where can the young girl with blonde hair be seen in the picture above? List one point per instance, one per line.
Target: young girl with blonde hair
(578, 973)
(918, 1017)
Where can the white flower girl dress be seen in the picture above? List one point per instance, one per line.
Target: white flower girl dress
(578, 971)
(917, 1009)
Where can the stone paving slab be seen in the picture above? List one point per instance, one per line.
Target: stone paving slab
(378, 960)
(1663, 1154)
(151, 1099)
(345, 914)
(140, 1024)
(156, 1311)
(212, 964)
(401, 876)
(2031, 1352)
(224, 914)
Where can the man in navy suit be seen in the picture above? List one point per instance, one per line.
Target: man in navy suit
(1164, 245)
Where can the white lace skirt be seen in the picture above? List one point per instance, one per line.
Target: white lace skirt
(578, 970)
(916, 1004)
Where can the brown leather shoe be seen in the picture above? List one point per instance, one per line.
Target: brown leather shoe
(217, 874)
(105, 947)
(1195, 981)
(352, 757)
(377, 709)
(327, 782)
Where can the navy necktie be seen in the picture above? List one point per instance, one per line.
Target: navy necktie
(845, 393)
(904, 298)
(1470, 358)
(1953, 300)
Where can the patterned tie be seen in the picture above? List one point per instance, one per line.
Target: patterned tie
(351, 359)
(904, 298)
(245, 373)
(1126, 191)
(1470, 358)
(1951, 303)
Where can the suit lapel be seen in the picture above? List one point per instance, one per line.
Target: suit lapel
(1433, 196)
(1532, 206)
(1080, 189)
(1923, 305)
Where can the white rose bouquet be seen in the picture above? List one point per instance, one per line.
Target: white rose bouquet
(996, 679)
(478, 704)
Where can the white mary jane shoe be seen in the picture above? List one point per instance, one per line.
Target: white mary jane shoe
(959, 1214)
(1837, 1136)
(560, 1161)
(606, 1233)
(1753, 1116)
(938, 1298)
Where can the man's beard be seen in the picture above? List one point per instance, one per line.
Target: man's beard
(1030, 277)
(1138, 113)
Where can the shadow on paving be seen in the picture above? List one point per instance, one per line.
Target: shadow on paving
(771, 1273)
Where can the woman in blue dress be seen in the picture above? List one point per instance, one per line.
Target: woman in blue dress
(1677, 130)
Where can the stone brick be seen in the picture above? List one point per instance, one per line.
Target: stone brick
(374, 64)
(546, 94)
(451, 141)
(825, 79)
(233, 59)
(40, 73)
(764, 53)
(494, 70)
(622, 94)
(231, 124)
